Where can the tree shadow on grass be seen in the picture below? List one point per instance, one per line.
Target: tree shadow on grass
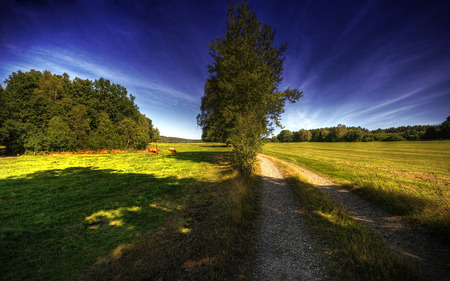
(56, 223)
(217, 145)
(196, 156)
(221, 160)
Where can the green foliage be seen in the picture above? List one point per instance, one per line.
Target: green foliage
(128, 132)
(354, 135)
(445, 128)
(105, 136)
(274, 139)
(13, 134)
(304, 135)
(285, 136)
(45, 112)
(50, 86)
(246, 145)
(394, 137)
(59, 135)
(243, 87)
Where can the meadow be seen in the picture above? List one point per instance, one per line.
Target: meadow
(411, 179)
(77, 216)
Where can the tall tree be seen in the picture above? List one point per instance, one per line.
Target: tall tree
(241, 101)
(305, 135)
(445, 129)
(58, 133)
(105, 136)
(128, 131)
(79, 124)
(285, 136)
(50, 86)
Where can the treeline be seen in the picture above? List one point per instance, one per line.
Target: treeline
(177, 140)
(46, 112)
(341, 133)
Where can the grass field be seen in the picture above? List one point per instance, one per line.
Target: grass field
(61, 215)
(407, 178)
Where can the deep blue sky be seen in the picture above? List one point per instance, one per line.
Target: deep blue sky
(374, 64)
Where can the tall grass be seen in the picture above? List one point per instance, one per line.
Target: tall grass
(407, 178)
(60, 215)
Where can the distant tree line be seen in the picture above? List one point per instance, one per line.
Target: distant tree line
(341, 133)
(46, 112)
(177, 140)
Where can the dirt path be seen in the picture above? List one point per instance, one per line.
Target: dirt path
(430, 256)
(286, 249)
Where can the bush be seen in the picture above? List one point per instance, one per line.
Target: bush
(394, 137)
(246, 145)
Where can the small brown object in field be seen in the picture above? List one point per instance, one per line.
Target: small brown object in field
(171, 149)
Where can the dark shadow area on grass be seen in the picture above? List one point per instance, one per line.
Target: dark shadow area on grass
(196, 156)
(393, 201)
(56, 223)
(201, 242)
(221, 159)
(398, 203)
(217, 145)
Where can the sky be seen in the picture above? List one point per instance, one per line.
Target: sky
(374, 64)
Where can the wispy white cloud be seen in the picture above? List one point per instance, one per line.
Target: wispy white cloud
(384, 116)
(301, 117)
(89, 66)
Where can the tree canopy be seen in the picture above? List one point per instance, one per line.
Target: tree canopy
(241, 102)
(47, 112)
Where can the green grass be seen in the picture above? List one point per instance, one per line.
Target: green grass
(61, 215)
(407, 178)
(353, 252)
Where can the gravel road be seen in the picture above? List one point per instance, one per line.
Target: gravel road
(430, 256)
(286, 250)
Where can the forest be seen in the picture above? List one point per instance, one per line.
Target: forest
(41, 112)
(353, 134)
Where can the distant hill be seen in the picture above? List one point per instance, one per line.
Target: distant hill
(177, 140)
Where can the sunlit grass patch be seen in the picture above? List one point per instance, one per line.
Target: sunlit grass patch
(411, 179)
(109, 217)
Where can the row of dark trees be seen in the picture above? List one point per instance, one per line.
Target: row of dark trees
(342, 133)
(46, 112)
